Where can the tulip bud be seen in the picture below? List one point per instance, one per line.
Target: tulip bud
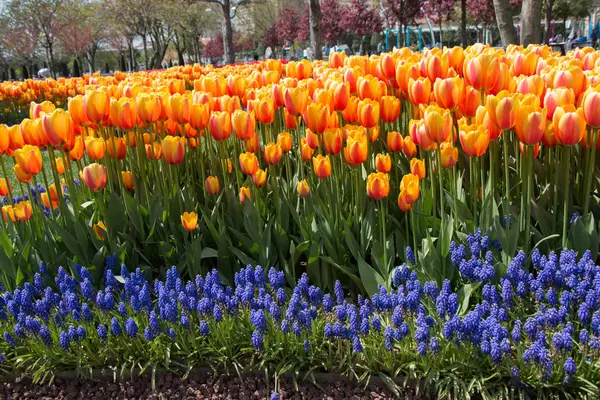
(189, 221)
(94, 176)
(212, 185)
(383, 163)
(303, 188)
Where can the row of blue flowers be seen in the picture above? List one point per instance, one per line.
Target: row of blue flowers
(534, 326)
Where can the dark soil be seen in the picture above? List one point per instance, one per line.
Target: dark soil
(200, 386)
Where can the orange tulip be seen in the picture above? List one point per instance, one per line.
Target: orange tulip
(306, 150)
(369, 87)
(321, 166)
(323, 96)
(149, 107)
(302, 188)
(248, 163)
(482, 71)
(4, 139)
(5, 187)
(403, 203)
(219, 125)
(394, 141)
(243, 124)
(410, 188)
(503, 110)
(449, 155)
(456, 56)
(77, 111)
(419, 90)
(368, 113)
(212, 185)
(154, 151)
(21, 175)
(436, 67)
(199, 114)
(8, 212)
(417, 167)
(312, 139)
(180, 107)
(189, 221)
(272, 153)
(23, 210)
(383, 163)
(259, 177)
(265, 110)
(100, 229)
(291, 122)
(76, 153)
(94, 176)
(525, 63)
(127, 180)
(549, 139)
(332, 140)
(558, 97)
(438, 123)
(123, 113)
(409, 147)
(591, 109)
(295, 100)
(316, 117)
(29, 159)
(449, 92)
(59, 164)
(116, 147)
(474, 139)
(95, 147)
(96, 105)
(378, 185)
(253, 144)
(355, 152)
(405, 71)
(36, 110)
(350, 113)
(236, 85)
(57, 126)
(173, 148)
(390, 108)
(16, 137)
(530, 125)
(48, 202)
(284, 140)
(336, 59)
(245, 194)
(569, 126)
(341, 95)
(470, 103)
(483, 117)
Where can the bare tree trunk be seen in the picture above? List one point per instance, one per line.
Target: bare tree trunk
(531, 22)
(51, 59)
(315, 28)
(228, 52)
(548, 31)
(463, 23)
(508, 33)
(145, 52)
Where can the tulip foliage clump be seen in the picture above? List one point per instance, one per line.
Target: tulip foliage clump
(330, 168)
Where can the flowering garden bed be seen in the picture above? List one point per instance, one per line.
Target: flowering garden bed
(473, 170)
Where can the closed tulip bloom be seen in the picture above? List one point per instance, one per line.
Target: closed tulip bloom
(199, 114)
(149, 107)
(394, 141)
(383, 163)
(558, 97)
(483, 117)
(123, 113)
(569, 126)
(173, 148)
(5, 187)
(449, 155)
(482, 71)
(436, 67)
(259, 177)
(212, 185)
(116, 147)
(100, 229)
(321, 166)
(21, 175)
(180, 108)
(417, 167)
(154, 151)
(219, 125)
(53, 192)
(272, 153)
(23, 210)
(248, 163)
(438, 124)
(76, 153)
(303, 188)
(405, 71)
(295, 100)
(549, 139)
(57, 126)
(306, 150)
(48, 202)
(332, 140)
(4, 139)
(316, 117)
(265, 111)
(525, 63)
(356, 149)
(591, 109)
(336, 59)
(503, 110)
(16, 137)
(77, 111)
(189, 221)
(471, 101)
(243, 124)
(411, 188)
(378, 185)
(59, 164)
(36, 110)
(95, 147)
(290, 121)
(390, 108)
(8, 212)
(369, 87)
(127, 180)
(474, 139)
(29, 159)
(409, 147)
(94, 176)
(419, 90)
(530, 125)
(245, 194)
(341, 95)
(284, 140)
(449, 92)
(97, 107)
(403, 203)
(323, 96)
(368, 113)
(350, 113)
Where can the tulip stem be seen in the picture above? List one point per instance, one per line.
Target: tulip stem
(555, 187)
(590, 172)
(441, 182)
(8, 185)
(506, 171)
(529, 177)
(433, 194)
(567, 162)
(453, 188)
(384, 241)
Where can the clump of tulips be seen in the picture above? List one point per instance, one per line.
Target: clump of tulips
(331, 166)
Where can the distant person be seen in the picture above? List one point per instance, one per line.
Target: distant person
(380, 48)
(268, 53)
(594, 37)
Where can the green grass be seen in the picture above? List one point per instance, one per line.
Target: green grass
(9, 162)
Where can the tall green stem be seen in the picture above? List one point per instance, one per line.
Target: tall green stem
(590, 172)
(506, 171)
(529, 177)
(567, 162)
